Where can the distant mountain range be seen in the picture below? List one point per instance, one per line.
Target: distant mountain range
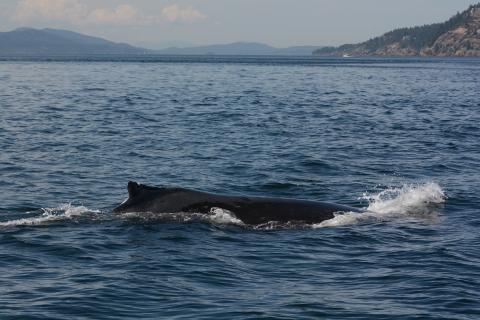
(53, 42)
(240, 48)
(35, 42)
(459, 36)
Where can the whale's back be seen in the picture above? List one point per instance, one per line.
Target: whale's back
(251, 210)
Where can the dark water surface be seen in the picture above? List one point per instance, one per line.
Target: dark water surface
(400, 137)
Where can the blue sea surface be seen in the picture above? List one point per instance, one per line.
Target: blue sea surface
(397, 137)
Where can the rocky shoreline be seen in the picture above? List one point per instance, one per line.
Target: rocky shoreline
(457, 37)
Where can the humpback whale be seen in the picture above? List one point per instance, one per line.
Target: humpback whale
(250, 210)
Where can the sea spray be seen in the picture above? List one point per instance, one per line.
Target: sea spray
(409, 200)
(63, 212)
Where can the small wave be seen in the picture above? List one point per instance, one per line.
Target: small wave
(94, 89)
(278, 185)
(61, 213)
(408, 201)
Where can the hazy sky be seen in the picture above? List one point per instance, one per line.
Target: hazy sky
(275, 22)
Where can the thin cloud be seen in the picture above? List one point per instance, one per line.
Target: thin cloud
(122, 15)
(174, 13)
(63, 10)
(75, 12)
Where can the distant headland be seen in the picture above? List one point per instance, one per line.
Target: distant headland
(459, 36)
(54, 42)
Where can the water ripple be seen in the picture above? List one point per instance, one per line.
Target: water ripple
(398, 137)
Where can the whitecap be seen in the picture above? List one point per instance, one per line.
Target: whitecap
(407, 201)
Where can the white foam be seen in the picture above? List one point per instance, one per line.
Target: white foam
(407, 201)
(156, 217)
(223, 216)
(60, 213)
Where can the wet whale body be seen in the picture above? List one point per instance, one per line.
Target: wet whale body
(250, 210)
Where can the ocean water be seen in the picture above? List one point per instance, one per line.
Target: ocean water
(397, 137)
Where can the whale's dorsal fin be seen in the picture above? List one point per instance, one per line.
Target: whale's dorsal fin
(133, 189)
